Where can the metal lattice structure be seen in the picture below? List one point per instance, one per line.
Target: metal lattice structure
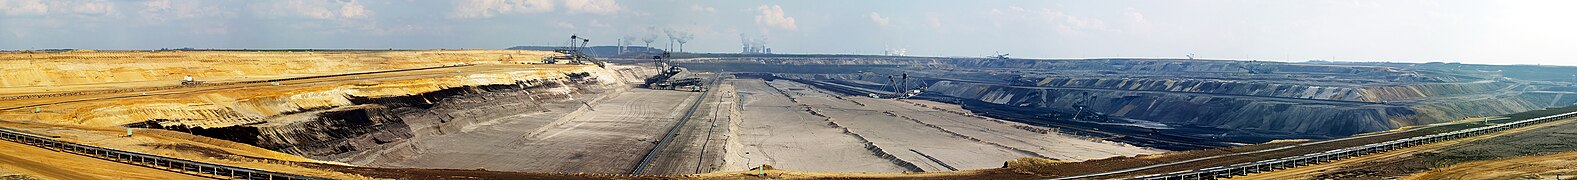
(1244, 169)
(202, 169)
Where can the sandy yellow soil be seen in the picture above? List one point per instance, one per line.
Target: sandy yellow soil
(143, 86)
(41, 163)
(1554, 166)
(36, 73)
(156, 142)
(220, 106)
(87, 98)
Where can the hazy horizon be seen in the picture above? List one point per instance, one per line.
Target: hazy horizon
(1474, 32)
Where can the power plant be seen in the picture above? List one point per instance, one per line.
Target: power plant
(750, 45)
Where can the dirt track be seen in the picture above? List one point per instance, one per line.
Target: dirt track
(699, 145)
(775, 130)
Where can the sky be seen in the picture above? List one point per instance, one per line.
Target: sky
(1479, 32)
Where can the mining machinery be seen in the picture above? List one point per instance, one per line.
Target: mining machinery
(901, 88)
(573, 53)
(999, 56)
(1255, 67)
(686, 84)
(189, 81)
(665, 78)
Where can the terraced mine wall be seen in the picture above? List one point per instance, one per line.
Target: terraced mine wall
(1381, 93)
(1234, 107)
(1170, 108)
(329, 119)
(1239, 112)
(333, 106)
(367, 121)
(339, 132)
(1090, 126)
(1158, 65)
(1194, 99)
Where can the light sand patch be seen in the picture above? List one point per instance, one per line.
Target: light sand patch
(1554, 166)
(928, 138)
(774, 130)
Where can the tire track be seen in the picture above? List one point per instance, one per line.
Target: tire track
(673, 131)
(962, 136)
(41, 168)
(869, 146)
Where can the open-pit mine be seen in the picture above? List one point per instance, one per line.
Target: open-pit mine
(526, 114)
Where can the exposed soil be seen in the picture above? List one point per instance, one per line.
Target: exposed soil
(699, 146)
(413, 173)
(34, 162)
(1536, 142)
(1555, 166)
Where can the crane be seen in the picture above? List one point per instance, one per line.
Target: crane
(999, 55)
(1254, 67)
(574, 53)
(900, 86)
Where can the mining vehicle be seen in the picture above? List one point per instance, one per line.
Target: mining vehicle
(572, 53)
(189, 81)
(688, 84)
(902, 89)
(664, 79)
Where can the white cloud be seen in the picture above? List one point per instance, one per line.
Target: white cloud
(311, 9)
(1057, 20)
(878, 19)
(699, 8)
(162, 10)
(1134, 16)
(565, 25)
(772, 16)
(410, 29)
(208, 28)
(60, 7)
(154, 10)
(298, 8)
(601, 7)
(933, 20)
(353, 10)
(597, 23)
(156, 5)
(89, 7)
(1136, 23)
(490, 8)
(23, 7)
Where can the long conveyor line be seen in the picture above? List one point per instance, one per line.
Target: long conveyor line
(210, 170)
(1244, 169)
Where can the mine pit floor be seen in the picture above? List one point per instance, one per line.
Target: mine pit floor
(900, 129)
(568, 137)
